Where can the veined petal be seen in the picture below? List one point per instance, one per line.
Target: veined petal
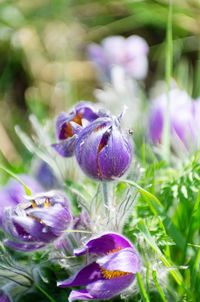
(115, 158)
(81, 294)
(107, 243)
(57, 217)
(85, 276)
(126, 260)
(24, 247)
(66, 148)
(108, 288)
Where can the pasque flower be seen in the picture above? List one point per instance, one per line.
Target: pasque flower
(113, 264)
(183, 121)
(69, 125)
(129, 53)
(36, 221)
(13, 192)
(103, 150)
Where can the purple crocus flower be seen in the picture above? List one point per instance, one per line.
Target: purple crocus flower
(130, 54)
(182, 112)
(36, 221)
(113, 264)
(69, 125)
(103, 151)
(13, 192)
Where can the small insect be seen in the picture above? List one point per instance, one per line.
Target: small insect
(130, 131)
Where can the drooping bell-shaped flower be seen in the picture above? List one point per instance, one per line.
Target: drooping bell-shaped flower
(36, 221)
(69, 125)
(13, 192)
(103, 150)
(112, 265)
(183, 124)
(128, 53)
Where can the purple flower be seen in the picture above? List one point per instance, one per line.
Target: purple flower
(182, 116)
(103, 151)
(68, 126)
(45, 176)
(13, 192)
(130, 54)
(4, 297)
(36, 221)
(113, 265)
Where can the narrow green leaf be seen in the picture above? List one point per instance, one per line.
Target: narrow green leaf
(159, 288)
(26, 188)
(143, 292)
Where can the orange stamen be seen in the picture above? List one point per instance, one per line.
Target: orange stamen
(113, 274)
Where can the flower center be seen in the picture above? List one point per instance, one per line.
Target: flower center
(112, 274)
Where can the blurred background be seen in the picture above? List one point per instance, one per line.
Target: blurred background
(44, 67)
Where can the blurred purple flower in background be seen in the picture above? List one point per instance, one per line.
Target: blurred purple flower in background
(13, 193)
(129, 53)
(183, 120)
(103, 151)
(68, 125)
(4, 297)
(36, 221)
(113, 265)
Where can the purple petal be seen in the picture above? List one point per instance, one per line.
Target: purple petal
(126, 260)
(85, 276)
(66, 148)
(115, 158)
(56, 217)
(33, 228)
(109, 288)
(87, 146)
(61, 120)
(24, 247)
(104, 244)
(114, 48)
(4, 297)
(97, 55)
(86, 110)
(81, 294)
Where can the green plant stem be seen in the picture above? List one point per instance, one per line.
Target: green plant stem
(45, 293)
(168, 73)
(105, 192)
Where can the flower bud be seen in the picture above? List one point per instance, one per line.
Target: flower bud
(37, 221)
(103, 151)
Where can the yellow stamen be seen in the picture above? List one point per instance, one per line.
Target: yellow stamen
(113, 274)
(47, 203)
(33, 204)
(117, 249)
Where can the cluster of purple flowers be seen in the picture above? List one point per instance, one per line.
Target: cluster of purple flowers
(103, 151)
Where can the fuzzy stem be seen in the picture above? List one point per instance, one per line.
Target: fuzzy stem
(105, 192)
(143, 292)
